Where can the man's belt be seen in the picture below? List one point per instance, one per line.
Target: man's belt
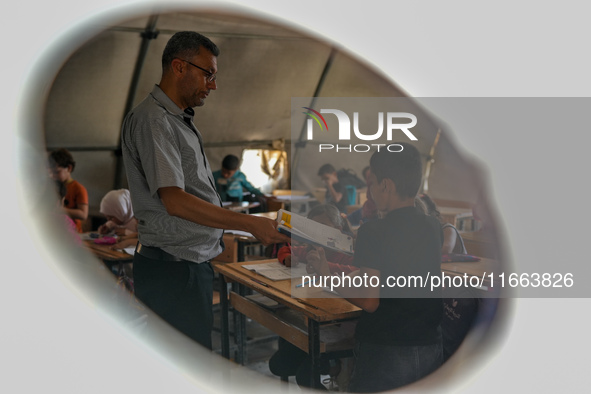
(155, 253)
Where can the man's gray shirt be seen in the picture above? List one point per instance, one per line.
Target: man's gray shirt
(161, 150)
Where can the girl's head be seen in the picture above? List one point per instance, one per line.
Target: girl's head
(116, 206)
(429, 206)
(329, 215)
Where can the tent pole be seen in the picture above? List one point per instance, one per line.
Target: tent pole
(429, 163)
(149, 34)
(301, 143)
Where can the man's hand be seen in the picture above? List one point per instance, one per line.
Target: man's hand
(331, 179)
(184, 205)
(265, 230)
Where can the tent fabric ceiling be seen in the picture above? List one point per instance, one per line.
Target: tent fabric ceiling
(261, 67)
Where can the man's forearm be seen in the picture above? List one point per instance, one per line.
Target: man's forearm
(186, 206)
(189, 207)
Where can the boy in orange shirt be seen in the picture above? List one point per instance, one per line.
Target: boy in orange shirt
(61, 165)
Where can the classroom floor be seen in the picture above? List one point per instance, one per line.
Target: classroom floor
(261, 345)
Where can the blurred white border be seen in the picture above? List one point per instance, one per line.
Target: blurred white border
(52, 340)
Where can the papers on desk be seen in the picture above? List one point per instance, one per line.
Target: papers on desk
(329, 290)
(277, 271)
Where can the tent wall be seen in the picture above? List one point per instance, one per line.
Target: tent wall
(261, 67)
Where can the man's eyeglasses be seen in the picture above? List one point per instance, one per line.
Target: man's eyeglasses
(210, 77)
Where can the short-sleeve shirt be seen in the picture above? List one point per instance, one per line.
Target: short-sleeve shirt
(160, 149)
(404, 243)
(76, 195)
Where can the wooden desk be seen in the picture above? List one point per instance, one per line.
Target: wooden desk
(109, 256)
(480, 243)
(453, 215)
(236, 247)
(296, 203)
(316, 311)
(485, 266)
(243, 206)
(105, 253)
(236, 244)
(269, 215)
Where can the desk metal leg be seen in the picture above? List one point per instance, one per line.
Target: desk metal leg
(314, 350)
(240, 330)
(224, 317)
(241, 255)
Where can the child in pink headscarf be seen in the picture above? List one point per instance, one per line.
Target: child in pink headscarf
(116, 206)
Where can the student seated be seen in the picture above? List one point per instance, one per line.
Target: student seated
(230, 183)
(289, 360)
(341, 186)
(461, 305)
(116, 207)
(398, 336)
(61, 165)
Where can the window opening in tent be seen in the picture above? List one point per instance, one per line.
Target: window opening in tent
(265, 169)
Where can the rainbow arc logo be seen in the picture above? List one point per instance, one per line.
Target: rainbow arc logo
(315, 115)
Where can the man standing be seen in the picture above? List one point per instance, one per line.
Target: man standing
(180, 218)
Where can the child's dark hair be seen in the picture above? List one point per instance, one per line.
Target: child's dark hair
(62, 158)
(431, 208)
(326, 169)
(231, 162)
(403, 167)
(333, 213)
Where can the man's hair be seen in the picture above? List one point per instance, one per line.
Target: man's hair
(185, 45)
(61, 158)
(231, 162)
(326, 169)
(404, 168)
